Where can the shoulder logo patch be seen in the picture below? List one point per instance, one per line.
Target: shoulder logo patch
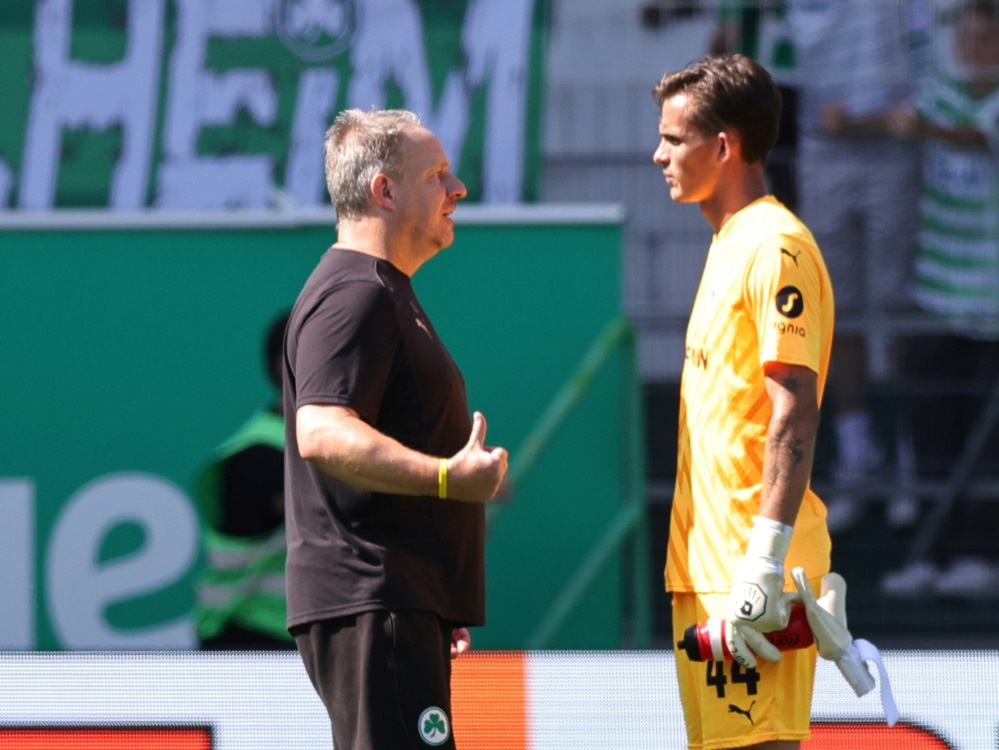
(789, 302)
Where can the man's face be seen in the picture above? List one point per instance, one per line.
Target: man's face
(688, 157)
(427, 193)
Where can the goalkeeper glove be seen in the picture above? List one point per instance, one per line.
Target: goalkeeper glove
(827, 619)
(758, 603)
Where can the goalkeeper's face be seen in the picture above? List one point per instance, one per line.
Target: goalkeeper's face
(687, 156)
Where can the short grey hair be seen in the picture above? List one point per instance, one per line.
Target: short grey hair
(359, 145)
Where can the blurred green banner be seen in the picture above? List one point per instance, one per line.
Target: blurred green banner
(203, 104)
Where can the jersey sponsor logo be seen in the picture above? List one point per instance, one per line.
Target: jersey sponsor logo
(434, 727)
(789, 254)
(697, 356)
(734, 709)
(788, 328)
(790, 303)
(418, 317)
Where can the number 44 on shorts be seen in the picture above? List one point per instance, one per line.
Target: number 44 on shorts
(739, 675)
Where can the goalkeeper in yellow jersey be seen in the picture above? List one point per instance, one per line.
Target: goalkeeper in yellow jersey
(757, 355)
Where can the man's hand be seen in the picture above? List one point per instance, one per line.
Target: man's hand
(461, 641)
(758, 603)
(475, 472)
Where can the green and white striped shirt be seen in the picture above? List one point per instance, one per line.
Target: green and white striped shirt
(957, 266)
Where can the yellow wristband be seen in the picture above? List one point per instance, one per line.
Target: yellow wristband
(442, 479)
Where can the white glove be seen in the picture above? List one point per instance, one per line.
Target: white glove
(827, 619)
(758, 603)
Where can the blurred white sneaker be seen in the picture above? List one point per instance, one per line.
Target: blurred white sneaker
(915, 579)
(969, 577)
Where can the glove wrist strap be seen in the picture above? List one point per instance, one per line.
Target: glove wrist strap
(769, 538)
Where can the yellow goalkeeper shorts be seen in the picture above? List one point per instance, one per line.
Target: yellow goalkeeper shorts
(726, 705)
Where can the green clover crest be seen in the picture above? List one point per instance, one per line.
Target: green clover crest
(434, 724)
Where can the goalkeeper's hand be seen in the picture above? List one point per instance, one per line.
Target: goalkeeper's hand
(758, 603)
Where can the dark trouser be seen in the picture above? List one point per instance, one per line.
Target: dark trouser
(384, 677)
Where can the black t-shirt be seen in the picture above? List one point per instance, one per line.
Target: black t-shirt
(359, 338)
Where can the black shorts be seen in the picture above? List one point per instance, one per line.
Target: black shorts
(384, 677)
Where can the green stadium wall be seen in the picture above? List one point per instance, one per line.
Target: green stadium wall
(132, 347)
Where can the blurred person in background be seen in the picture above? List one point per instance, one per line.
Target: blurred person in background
(757, 352)
(858, 191)
(956, 118)
(387, 472)
(240, 492)
(759, 30)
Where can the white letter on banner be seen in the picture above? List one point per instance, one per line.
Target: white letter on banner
(497, 39)
(80, 588)
(389, 47)
(74, 94)
(197, 98)
(304, 178)
(17, 561)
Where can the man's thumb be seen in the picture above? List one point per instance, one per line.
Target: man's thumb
(478, 435)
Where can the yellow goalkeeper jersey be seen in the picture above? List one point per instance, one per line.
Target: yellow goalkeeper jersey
(765, 296)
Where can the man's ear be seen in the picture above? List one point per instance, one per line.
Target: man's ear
(729, 145)
(724, 146)
(383, 191)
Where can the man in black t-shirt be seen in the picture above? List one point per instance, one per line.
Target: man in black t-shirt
(386, 472)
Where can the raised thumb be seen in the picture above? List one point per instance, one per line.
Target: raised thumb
(478, 436)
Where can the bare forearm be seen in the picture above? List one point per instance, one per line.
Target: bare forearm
(901, 122)
(787, 466)
(791, 434)
(351, 450)
(341, 444)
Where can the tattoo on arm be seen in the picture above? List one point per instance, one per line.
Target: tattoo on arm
(789, 445)
(790, 442)
(788, 452)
